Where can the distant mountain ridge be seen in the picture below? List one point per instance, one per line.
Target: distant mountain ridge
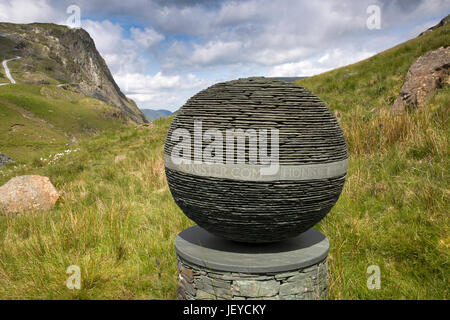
(152, 114)
(69, 56)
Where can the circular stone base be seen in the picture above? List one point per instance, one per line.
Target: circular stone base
(210, 267)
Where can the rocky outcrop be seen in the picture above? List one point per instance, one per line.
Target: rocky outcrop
(27, 193)
(441, 23)
(426, 74)
(69, 56)
(4, 159)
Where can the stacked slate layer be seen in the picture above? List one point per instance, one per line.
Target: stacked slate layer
(260, 211)
(199, 283)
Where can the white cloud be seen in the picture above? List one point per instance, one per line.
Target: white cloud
(232, 13)
(108, 36)
(324, 58)
(216, 51)
(160, 100)
(139, 82)
(24, 11)
(296, 69)
(121, 55)
(267, 32)
(330, 60)
(159, 90)
(147, 38)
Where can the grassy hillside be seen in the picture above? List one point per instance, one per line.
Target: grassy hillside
(394, 210)
(59, 97)
(36, 120)
(118, 221)
(56, 54)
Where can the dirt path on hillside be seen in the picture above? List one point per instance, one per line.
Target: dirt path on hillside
(7, 72)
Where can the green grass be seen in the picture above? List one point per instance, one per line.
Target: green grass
(36, 120)
(117, 222)
(393, 211)
(36, 116)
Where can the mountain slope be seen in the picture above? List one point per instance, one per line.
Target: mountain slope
(64, 91)
(58, 54)
(393, 211)
(36, 120)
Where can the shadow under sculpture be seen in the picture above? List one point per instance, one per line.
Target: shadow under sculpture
(258, 221)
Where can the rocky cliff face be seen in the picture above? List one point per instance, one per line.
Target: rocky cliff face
(67, 56)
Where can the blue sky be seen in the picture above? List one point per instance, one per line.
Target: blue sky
(161, 52)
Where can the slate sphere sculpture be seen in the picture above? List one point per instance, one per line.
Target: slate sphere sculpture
(231, 195)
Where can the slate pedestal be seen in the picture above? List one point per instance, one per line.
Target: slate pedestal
(210, 267)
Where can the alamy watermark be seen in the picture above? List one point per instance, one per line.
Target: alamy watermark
(217, 147)
(74, 280)
(74, 20)
(373, 21)
(374, 280)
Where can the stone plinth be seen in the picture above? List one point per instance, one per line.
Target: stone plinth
(210, 267)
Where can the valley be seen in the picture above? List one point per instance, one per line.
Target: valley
(117, 219)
